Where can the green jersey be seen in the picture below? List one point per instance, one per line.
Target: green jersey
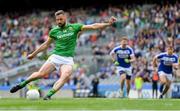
(65, 39)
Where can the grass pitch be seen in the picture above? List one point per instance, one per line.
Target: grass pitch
(84, 104)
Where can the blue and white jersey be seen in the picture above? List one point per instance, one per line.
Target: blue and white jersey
(166, 62)
(122, 54)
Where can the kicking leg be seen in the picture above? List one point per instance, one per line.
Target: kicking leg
(44, 70)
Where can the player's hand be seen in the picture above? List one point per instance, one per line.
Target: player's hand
(112, 20)
(30, 56)
(127, 60)
(116, 63)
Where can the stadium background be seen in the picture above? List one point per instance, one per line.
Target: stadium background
(150, 25)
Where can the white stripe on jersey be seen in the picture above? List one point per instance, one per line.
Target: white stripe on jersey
(121, 47)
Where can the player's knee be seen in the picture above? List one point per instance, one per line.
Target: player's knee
(41, 73)
(67, 73)
(168, 84)
(123, 77)
(65, 76)
(122, 80)
(163, 81)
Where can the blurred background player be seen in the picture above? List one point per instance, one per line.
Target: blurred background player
(155, 79)
(95, 83)
(122, 57)
(167, 61)
(64, 36)
(139, 84)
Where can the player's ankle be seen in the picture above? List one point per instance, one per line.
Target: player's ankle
(51, 92)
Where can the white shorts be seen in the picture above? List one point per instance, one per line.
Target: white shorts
(57, 60)
(127, 71)
(169, 76)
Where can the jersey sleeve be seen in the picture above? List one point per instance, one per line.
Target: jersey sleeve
(131, 52)
(78, 26)
(112, 51)
(159, 56)
(176, 59)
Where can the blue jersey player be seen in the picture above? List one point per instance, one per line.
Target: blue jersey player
(166, 62)
(122, 57)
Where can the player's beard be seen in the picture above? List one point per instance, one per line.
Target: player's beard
(61, 25)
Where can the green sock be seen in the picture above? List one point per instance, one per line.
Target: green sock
(24, 83)
(51, 92)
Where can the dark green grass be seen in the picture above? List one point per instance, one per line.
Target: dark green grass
(90, 104)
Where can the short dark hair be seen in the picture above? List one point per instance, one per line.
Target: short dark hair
(59, 12)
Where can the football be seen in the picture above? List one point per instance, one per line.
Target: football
(33, 94)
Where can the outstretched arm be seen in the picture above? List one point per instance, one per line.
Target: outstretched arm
(99, 25)
(42, 47)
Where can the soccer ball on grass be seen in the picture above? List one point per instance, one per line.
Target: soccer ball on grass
(33, 94)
